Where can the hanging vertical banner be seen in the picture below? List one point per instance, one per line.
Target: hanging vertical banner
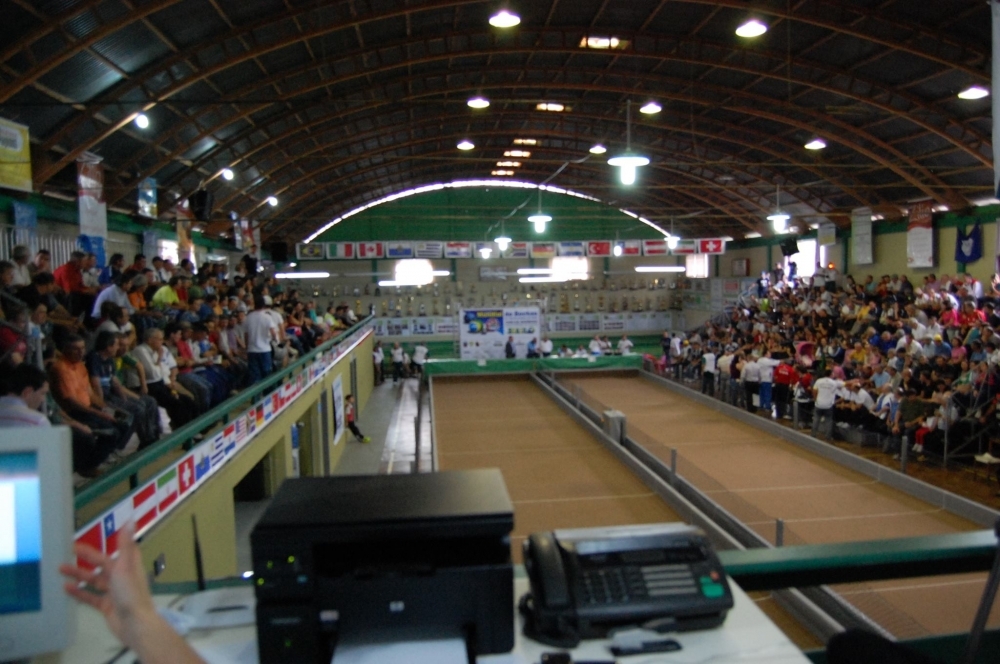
(338, 409)
(150, 244)
(920, 236)
(15, 156)
(826, 235)
(147, 198)
(861, 236)
(90, 190)
(969, 247)
(26, 225)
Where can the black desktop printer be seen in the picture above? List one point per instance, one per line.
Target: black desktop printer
(386, 556)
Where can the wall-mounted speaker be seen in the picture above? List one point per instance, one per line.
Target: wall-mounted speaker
(201, 203)
(789, 247)
(278, 251)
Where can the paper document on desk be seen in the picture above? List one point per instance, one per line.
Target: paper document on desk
(440, 651)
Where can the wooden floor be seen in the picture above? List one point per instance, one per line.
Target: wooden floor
(558, 475)
(761, 477)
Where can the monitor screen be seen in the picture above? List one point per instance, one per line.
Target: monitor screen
(20, 533)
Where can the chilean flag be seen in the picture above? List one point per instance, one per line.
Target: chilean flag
(370, 250)
(598, 248)
(712, 245)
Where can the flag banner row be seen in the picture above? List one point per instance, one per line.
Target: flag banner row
(593, 248)
(154, 499)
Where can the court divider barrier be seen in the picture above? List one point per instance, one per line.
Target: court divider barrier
(475, 367)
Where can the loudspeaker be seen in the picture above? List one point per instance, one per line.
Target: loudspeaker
(201, 203)
(789, 247)
(278, 251)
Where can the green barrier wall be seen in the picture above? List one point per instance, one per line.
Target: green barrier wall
(472, 367)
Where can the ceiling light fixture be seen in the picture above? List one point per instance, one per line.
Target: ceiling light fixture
(539, 219)
(651, 108)
(501, 172)
(974, 92)
(520, 154)
(660, 268)
(672, 241)
(617, 251)
(504, 19)
(778, 218)
(752, 28)
(302, 275)
(550, 106)
(485, 252)
(227, 174)
(502, 241)
(478, 102)
(466, 145)
(598, 149)
(815, 144)
(509, 164)
(602, 43)
(628, 162)
(142, 121)
(525, 141)
(272, 201)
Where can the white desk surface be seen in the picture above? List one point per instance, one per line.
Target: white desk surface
(746, 636)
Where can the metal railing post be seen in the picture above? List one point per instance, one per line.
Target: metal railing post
(904, 450)
(779, 532)
(673, 466)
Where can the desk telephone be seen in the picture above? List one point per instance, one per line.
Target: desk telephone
(584, 582)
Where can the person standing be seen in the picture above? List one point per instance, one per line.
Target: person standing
(260, 330)
(350, 416)
(545, 348)
(625, 345)
(508, 350)
(250, 261)
(784, 377)
(825, 394)
(21, 256)
(419, 357)
(766, 366)
(708, 371)
(397, 362)
(378, 357)
(750, 376)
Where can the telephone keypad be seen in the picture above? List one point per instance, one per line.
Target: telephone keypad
(629, 583)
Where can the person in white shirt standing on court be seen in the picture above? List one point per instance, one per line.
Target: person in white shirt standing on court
(419, 357)
(261, 329)
(378, 357)
(397, 362)
(825, 392)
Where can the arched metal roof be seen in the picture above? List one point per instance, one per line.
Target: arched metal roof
(329, 105)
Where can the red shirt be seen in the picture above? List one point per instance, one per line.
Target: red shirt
(69, 278)
(184, 350)
(784, 374)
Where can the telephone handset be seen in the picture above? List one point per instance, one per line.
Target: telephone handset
(587, 581)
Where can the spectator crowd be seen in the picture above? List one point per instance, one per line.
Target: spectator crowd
(129, 352)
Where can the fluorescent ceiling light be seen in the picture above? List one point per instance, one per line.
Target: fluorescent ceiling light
(520, 154)
(660, 268)
(441, 273)
(509, 164)
(974, 92)
(751, 235)
(552, 279)
(815, 144)
(302, 275)
(142, 121)
(478, 102)
(414, 272)
(293, 264)
(466, 145)
(504, 19)
(272, 201)
(598, 149)
(602, 43)
(227, 174)
(651, 108)
(534, 270)
(752, 28)
(501, 172)
(525, 141)
(550, 106)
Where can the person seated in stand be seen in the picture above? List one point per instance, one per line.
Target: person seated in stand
(69, 278)
(581, 351)
(181, 351)
(167, 299)
(101, 367)
(157, 372)
(14, 338)
(23, 391)
(218, 369)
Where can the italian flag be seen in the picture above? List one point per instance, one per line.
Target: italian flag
(167, 488)
(340, 250)
(144, 506)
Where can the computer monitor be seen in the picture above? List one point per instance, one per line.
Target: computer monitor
(36, 536)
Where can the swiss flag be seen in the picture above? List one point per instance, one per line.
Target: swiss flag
(712, 245)
(598, 248)
(370, 250)
(185, 474)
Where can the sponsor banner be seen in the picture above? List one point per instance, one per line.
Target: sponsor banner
(485, 332)
(602, 248)
(428, 249)
(517, 250)
(90, 186)
(458, 250)
(861, 236)
(15, 156)
(496, 273)
(685, 247)
(543, 249)
(370, 250)
(920, 236)
(655, 248)
(338, 408)
(151, 503)
(827, 234)
(399, 250)
(339, 250)
(147, 199)
(310, 252)
(572, 248)
(712, 245)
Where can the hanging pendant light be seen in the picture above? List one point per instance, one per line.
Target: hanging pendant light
(539, 219)
(502, 240)
(778, 218)
(672, 239)
(628, 161)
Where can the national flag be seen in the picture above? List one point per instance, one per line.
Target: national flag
(94, 537)
(458, 250)
(260, 415)
(517, 250)
(428, 249)
(655, 248)
(277, 402)
(335, 250)
(241, 430)
(218, 450)
(712, 245)
(310, 252)
(203, 467)
(114, 521)
(144, 506)
(598, 248)
(369, 250)
(229, 438)
(185, 474)
(166, 489)
(398, 250)
(572, 248)
(685, 247)
(632, 248)
(269, 407)
(543, 249)
(251, 421)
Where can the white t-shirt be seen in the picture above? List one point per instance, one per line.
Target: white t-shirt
(419, 354)
(708, 360)
(826, 391)
(378, 355)
(595, 347)
(261, 328)
(545, 346)
(750, 372)
(767, 365)
(625, 346)
(397, 354)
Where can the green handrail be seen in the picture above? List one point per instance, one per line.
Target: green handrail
(129, 470)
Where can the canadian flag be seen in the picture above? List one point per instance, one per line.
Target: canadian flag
(712, 245)
(370, 250)
(598, 248)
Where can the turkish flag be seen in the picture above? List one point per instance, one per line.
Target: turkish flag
(712, 245)
(598, 248)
